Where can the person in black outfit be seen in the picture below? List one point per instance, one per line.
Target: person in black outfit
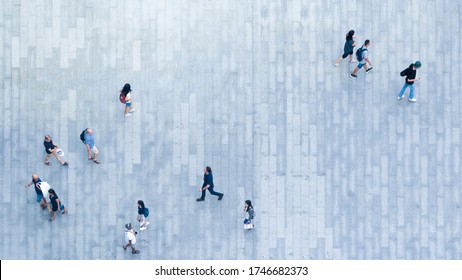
(410, 74)
(51, 149)
(350, 43)
(56, 204)
(208, 185)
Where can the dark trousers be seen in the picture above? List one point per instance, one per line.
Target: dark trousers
(212, 192)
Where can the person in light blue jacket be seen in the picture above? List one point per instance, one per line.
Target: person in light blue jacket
(90, 145)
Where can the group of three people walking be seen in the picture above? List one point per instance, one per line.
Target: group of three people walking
(362, 54)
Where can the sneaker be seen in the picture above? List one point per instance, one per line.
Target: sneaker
(353, 61)
(128, 115)
(200, 199)
(220, 197)
(132, 110)
(143, 227)
(336, 64)
(400, 97)
(353, 76)
(65, 163)
(413, 100)
(147, 223)
(135, 251)
(369, 70)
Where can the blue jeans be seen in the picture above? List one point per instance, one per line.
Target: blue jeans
(411, 94)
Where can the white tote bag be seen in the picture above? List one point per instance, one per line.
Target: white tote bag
(44, 186)
(59, 152)
(248, 226)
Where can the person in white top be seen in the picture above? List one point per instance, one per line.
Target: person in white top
(128, 100)
(130, 238)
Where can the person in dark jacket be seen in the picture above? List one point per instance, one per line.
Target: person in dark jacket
(208, 185)
(410, 74)
(249, 212)
(350, 43)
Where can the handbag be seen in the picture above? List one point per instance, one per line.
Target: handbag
(59, 152)
(248, 225)
(122, 97)
(146, 212)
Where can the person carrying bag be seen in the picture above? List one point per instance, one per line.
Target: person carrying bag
(250, 214)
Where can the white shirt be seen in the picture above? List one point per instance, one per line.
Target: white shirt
(130, 235)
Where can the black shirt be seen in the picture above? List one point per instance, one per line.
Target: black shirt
(348, 46)
(208, 180)
(410, 74)
(48, 145)
(54, 203)
(36, 186)
(141, 210)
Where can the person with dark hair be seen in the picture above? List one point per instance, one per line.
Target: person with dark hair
(130, 238)
(350, 43)
(248, 210)
(142, 215)
(38, 190)
(208, 185)
(410, 74)
(52, 150)
(56, 204)
(126, 90)
(362, 54)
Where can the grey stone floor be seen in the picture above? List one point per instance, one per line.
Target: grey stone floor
(337, 168)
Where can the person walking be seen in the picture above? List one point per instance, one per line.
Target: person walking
(350, 43)
(130, 238)
(56, 204)
(249, 212)
(52, 150)
(38, 190)
(126, 91)
(208, 185)
(90, 145)
(362, 54)
(410, 74)
(143, 213)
